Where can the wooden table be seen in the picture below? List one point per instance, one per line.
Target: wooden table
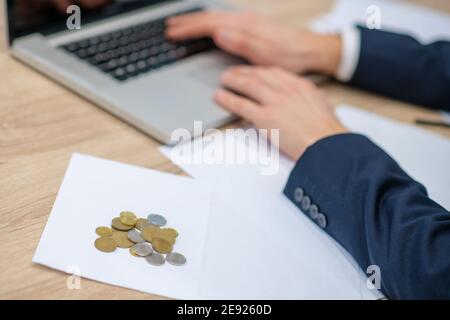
(42, 124)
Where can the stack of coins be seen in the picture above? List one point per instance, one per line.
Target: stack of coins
(144, 238)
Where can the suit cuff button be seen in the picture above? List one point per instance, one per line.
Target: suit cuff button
(298, 194)
(321, 220)
(313, 212)
(306, 203)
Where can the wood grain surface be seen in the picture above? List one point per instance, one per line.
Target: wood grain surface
(42, 124)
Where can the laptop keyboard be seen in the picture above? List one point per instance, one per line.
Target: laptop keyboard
(129, 52)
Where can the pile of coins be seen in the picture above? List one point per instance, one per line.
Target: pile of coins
(146, 238)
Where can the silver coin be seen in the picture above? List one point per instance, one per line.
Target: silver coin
(157, 219)
(143, 249)
(155, 259)
(176, 259)
(135, 236)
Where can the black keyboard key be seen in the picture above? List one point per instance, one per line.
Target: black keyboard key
(120, 74)
(102, 47)
(123, 61)
(123, 41)
(116, 53)
(116, 34)
(133, 38)
(135, 47)
(142, 65)
(133, 57)
(152, 62)
(159, 39)
(101, 57)
(110, 65)
(138, 28)
(83, 44)
(94, 41)
(165, 47)
(172, 54)
(72, 47)
(146, 34)
(127, 31)
(91, 51)
(82, 54)
(126, 50)
(106, 37)
(154, 51)
(144, 54)
(131, 68)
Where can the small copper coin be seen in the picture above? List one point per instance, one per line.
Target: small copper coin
(121, 239)
(116, 224)
(103, 231)
(105, 244)
(149, 232)
(162, 245)
(141, 223)
(128, 218)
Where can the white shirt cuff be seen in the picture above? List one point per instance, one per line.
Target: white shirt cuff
(351, 46)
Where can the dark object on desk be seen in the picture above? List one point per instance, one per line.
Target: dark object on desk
(433, 123)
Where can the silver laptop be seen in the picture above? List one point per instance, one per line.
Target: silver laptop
(120, 60)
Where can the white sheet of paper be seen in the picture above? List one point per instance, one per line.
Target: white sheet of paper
(423, 23)
(273, 252)
(93, 192)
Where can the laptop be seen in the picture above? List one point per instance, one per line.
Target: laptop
(121, 60)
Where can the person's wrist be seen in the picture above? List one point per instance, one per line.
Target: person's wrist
(321, 53)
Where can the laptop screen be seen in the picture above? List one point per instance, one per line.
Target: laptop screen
(48, 16)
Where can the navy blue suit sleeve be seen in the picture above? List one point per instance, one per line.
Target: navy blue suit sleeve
(399, 66)
(379, 214)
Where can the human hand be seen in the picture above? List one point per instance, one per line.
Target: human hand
(261, 40)
(279, 100)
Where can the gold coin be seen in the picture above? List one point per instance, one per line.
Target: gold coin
(133, 253)
(165, 234)
(162, 245)
(128, 218)
(148, 232)
(174, 233)
(121, 239)
(116, 224)
(105, 244)
(103, 231)
(141, 223)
